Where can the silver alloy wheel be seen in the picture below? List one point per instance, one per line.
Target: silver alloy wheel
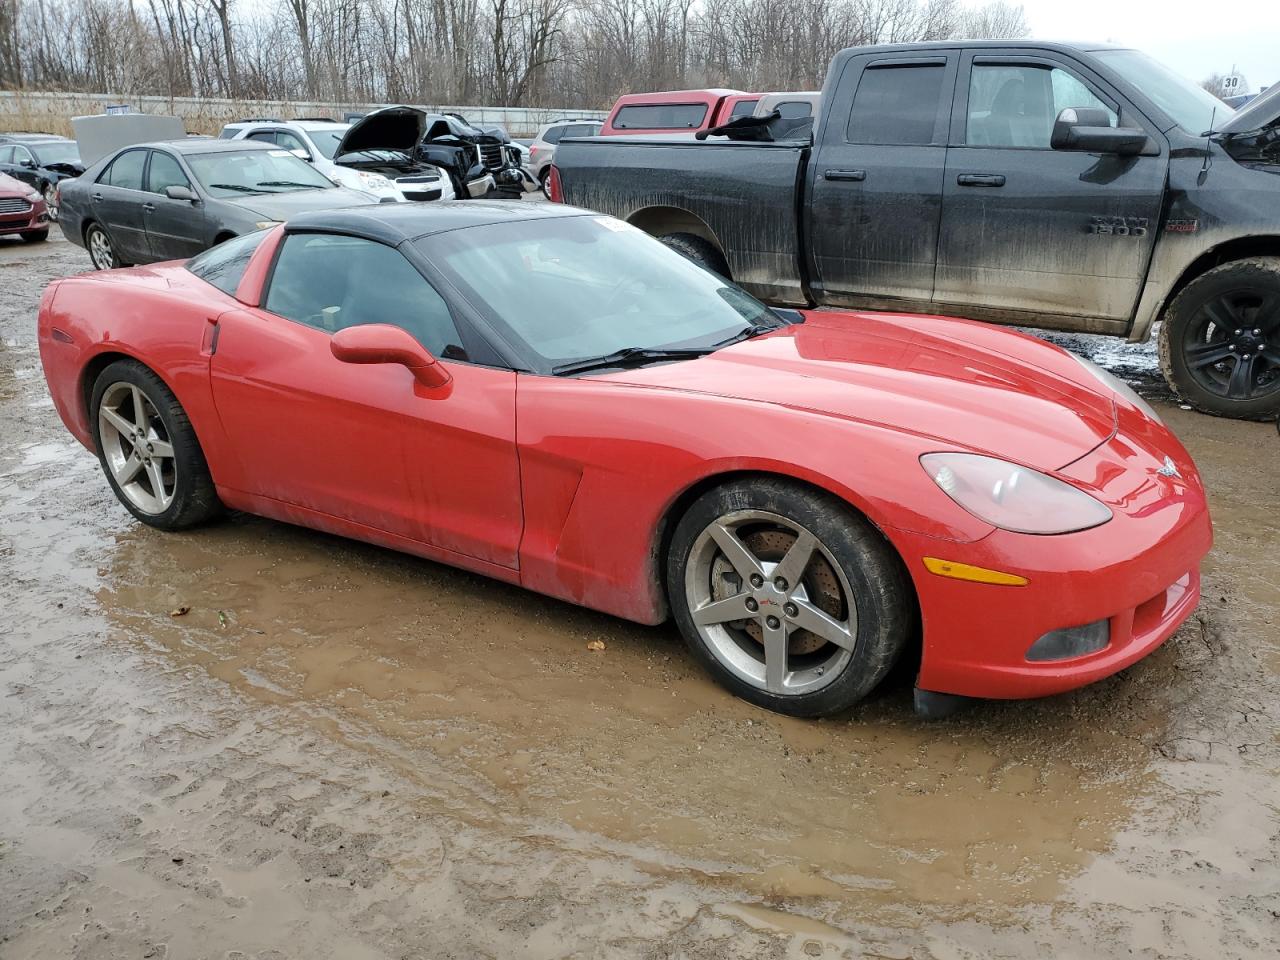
(51, 201)
(100, 249)
(764, 619)
(136, 448)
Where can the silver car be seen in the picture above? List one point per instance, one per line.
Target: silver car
(543, 149)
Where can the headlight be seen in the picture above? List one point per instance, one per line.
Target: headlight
(264, 224)
(33, 195)
(375, 180)
(1119, 386)
(1011, 497)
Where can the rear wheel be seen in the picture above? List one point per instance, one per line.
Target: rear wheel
(101, 250)
(149, 450)
(789, 598)
(544, 182)
(700, 251)
(1220, 340)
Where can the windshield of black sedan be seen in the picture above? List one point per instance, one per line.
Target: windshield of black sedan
(239, 173)
(57, 152)
(571, 288)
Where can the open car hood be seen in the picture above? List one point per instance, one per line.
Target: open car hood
(391, 128)
(1263, 110)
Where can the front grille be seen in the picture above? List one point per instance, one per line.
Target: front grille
(422, 194)
(491, 156)
(15, 205)
(432, 178)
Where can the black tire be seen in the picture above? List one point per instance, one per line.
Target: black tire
(1209, 351)
(92, 231)
(881, 595)
(544, 182)
(36, 236)
(195, 501)
(700, 251)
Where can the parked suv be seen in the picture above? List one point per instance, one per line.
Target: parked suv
(317, 142)
(41, 160)
(543, 148)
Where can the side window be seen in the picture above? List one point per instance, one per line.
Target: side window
(165, 171)
(661, 116)
(798, 110)
(1016, 105)
(6, 154)
(743, 108)
(554, 134)
(224, 265)
(21, 154)
(125, 170)
(291, 142)
(332, 282)
(266, 136)
(581, 130)
(896, 105)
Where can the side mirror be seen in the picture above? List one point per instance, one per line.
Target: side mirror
(28, 163)
(1089, 130)
(177, 192)
(301, 154)
(383, 343)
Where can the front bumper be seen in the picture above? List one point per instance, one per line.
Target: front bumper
(1140, 572)
(26, 221)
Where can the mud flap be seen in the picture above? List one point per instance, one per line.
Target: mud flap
(938, 706)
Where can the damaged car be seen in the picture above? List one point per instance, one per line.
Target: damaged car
(479, 163)
(41, 160)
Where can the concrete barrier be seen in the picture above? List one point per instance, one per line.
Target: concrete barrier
(51, 112)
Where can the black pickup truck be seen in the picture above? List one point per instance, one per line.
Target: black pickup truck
(1073, 187)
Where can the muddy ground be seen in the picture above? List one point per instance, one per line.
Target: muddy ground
(343, 752)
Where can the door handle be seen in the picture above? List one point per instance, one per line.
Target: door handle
(95, 197)
(857, 176)
(980, 180)
(148, 208)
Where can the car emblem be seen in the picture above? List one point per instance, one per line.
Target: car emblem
(1169, 469)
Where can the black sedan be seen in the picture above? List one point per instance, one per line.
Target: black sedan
(171, 200)
(41, 160)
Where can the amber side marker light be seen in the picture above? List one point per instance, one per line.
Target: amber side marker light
(965, 571)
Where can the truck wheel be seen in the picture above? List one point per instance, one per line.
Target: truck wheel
(700, 251)
(1220, 341)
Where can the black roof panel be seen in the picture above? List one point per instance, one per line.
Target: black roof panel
(396, 222)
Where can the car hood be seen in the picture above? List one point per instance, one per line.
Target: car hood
(69, 169)
(391, 128)
(961, 383)
(1263, 110)
(282, 206)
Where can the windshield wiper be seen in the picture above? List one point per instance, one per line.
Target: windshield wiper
(234, 186)
(288, 183)
(629, 356)
(755, 330)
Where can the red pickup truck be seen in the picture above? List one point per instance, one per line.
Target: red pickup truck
(676, 111)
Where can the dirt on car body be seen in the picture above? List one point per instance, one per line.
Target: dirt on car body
(256, 741)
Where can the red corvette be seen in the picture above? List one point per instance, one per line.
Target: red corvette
(554, 399)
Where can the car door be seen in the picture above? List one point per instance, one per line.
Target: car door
(1026, 228)
(23, 166)
(875, 185)
(175, 228)
(116, 200)
(361, 442)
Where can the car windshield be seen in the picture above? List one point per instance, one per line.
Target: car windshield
(57, 152)
(327, 140)
(238, 173)
(573, 288)
(1193, 109)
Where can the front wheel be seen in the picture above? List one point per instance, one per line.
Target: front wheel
(700, 251)
(1220, 340)
(36, 236)
(788, 597)
(51, 201)
(149, 450)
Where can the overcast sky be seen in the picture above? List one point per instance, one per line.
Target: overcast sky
(1196, 39)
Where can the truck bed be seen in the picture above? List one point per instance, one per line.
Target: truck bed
(744, 194)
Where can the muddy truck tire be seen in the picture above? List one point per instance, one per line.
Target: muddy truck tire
(1219, 344)
(790, 599)
(700, 251)
(148, 449)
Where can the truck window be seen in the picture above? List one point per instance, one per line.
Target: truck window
(661, 116)
(1015, 106)
(554, 134)
(896, 105)
(798, 110)
(743, 108)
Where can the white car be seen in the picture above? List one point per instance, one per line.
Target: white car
(397, 178)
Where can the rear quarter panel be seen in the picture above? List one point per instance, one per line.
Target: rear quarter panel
(744, 194)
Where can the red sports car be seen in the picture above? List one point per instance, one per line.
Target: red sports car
(22, 210)
(552, 398)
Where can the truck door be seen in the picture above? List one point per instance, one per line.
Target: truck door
(1028, 230)
(875, 184)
